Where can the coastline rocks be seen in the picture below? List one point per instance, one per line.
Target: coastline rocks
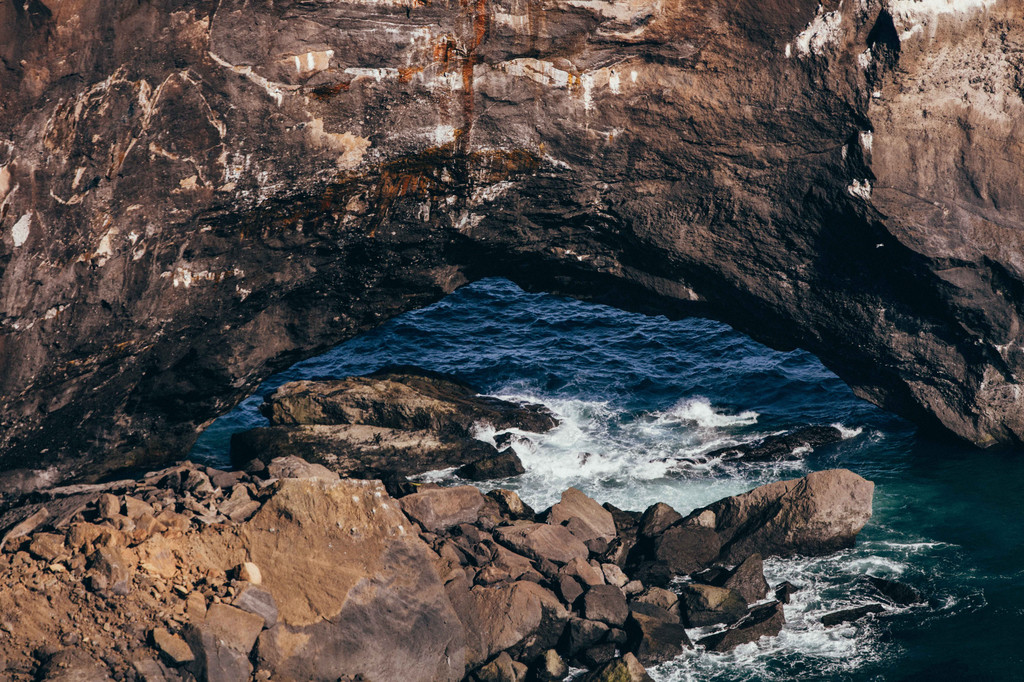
(403, 421)
(625, 669)
(765, 620)
(896, 592)
(442, 508)
(849, 615)
(542, 541)
(594, 521)
(780, 447)
(702, 605)
(817, 514)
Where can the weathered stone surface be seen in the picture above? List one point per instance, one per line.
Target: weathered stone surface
(365, 598)
(501, 669)
(762, 621)
(748, 579)
(707, 605)
(541, 541)
(655, 639)
(657, 519)
(110, 571)
(817, 514)
(407, 398)
(605, 603)
(172, 648)
(596, 521)
(662, 598)
(784, 591)
(442, 508)
(234, 627)
(522, 618)
(286, 208)
(625, 669)
(215, 661)
(296, 467)
(511, 505)
(850, 615)
(550, 667)
(48, 546)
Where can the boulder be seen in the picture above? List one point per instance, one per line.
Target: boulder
(110, 571)
(667, 600)
(501, 669)
(605, 603)
(173, 649)
(582, 570)
(784, 591)
(762, 621)
(680, 550)
(215, 661)
(582, 634)
(233, 627)
(779, 447)
(521, 618)
(624, 669)
(569, 588)
(657, 519)
(505, 464)
(296, 467)
(747, 579)
(896, 592)
(47, 546)
(595, 522)
(365, 599)
(654, 635)
(511, 505)
(850, 615)
(406, 398)
(817, 514)
(443, 508)
(708, 605)
(541, 541)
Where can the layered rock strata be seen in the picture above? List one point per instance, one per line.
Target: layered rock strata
(194, 195)
(290, 573)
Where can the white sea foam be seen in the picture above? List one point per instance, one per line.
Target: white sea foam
(848, 433)
(700, 411)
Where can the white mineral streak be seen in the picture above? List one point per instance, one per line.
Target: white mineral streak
(824, 30)
(21, 228)
(912, 16)
(442, 134)
(864, 59)
(350, 148)
(867, 138)
(587, 81)
(312, 62)
(861, 190)
(376, 74)
(613, 82)
(537, 70)
(274, 90)
(185, 277)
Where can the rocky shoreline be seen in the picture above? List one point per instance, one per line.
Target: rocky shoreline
(289, 572)
(336, 566)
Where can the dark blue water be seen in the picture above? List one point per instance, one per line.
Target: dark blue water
(637, 393)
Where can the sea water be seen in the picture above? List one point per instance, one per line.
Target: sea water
(636, 395)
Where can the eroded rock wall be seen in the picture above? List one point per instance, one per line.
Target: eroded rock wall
(196, 194)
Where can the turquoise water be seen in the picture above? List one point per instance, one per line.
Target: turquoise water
(637, 393)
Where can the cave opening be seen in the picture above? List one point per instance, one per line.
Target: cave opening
(635, 393)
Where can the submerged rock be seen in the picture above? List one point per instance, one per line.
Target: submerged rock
(780, 447)
(850, 615)
(762, 621)
(896, 592)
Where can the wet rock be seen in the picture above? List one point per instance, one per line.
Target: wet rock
(624, 669)
(510, 505)
(605, 603)
(817, 514)
(172, 648)
(595, 522)
(502, 465)
(443, 508)
(896, 592)
(708, 605)
(654, 635)
(850, 615)
(784, 591)
(541, 541)
(296, 467)
(780, 447)
(762, 621)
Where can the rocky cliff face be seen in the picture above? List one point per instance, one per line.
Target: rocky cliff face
(196, 194)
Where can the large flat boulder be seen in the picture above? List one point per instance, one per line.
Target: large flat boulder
(817, 514)
(541, 541)
(595, 522)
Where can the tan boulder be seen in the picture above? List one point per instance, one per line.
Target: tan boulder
(442, 508)
(597, 522)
